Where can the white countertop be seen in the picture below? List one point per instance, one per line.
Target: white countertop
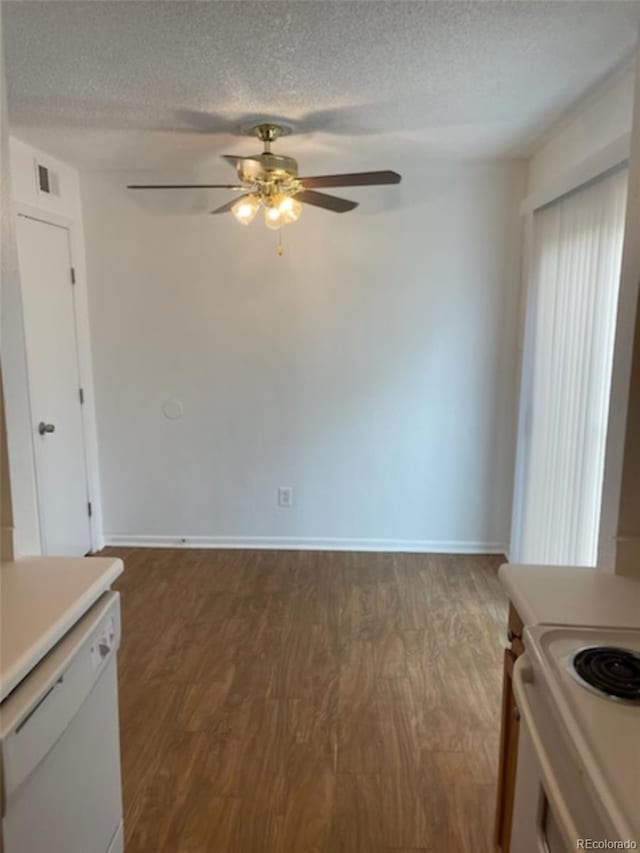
(41, 598)
(565, 595)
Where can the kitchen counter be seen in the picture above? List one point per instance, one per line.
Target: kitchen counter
(572, 596)
(41, 598)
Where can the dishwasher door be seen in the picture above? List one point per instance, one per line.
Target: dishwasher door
(60, 745)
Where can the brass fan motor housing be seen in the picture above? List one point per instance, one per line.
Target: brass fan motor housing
(267, 167)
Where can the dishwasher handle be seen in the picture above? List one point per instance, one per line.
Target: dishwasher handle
(40, 702)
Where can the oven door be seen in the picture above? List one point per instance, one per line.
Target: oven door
(542, 818)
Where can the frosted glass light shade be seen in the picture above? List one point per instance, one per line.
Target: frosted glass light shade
(273, 217)
(290, 208)
(246, 208)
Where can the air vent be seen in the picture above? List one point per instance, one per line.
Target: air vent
(47, 180)
(43, 179)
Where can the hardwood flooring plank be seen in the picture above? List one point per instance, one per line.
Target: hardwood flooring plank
(359, 726)
(468, 807)
(306, 812)
(247, 753)
(146, 732)
(205, 824)
(330, 702)
(357, 825)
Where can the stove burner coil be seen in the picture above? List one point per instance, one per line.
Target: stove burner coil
(612, 671)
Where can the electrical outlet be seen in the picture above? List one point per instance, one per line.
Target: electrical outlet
(285, 496)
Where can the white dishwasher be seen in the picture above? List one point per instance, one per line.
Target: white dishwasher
(60, 744)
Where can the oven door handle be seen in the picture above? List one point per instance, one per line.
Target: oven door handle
(523, 676)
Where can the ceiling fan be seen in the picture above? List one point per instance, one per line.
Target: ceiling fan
(271, 181)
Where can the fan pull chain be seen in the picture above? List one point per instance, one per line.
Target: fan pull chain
(280, 247)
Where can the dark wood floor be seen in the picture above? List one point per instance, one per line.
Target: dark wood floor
(305, 701)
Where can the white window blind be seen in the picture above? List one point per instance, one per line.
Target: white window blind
(576, 257)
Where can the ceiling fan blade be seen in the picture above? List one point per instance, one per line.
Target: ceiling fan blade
(232, 159)
(329, 202)
(353, 179)
(227, 207)
(184, 187)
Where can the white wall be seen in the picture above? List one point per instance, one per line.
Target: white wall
(598, 120)
(372, 367)
(64, 208)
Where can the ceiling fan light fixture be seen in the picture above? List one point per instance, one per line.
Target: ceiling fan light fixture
(271, 181)
(290, 208)
(273, 216)
(246, 208)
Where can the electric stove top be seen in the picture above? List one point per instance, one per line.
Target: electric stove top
(593, 675)
(608, 670)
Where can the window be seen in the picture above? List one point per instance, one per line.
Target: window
(576, 257)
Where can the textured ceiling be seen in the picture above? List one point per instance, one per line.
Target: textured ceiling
(148, 85)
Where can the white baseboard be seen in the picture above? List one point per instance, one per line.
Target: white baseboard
(305, 544)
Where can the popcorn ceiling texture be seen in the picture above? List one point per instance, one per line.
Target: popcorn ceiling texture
(149, 84)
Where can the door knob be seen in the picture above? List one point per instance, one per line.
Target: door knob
(43, 428)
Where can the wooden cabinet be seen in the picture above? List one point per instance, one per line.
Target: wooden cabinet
(508, 737)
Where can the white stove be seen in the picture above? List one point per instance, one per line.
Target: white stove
(578, 776)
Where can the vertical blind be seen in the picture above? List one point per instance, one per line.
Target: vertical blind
(576, 257)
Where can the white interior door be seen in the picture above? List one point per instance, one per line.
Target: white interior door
(54, 386)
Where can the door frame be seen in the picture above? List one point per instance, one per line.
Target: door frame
(85, 368)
